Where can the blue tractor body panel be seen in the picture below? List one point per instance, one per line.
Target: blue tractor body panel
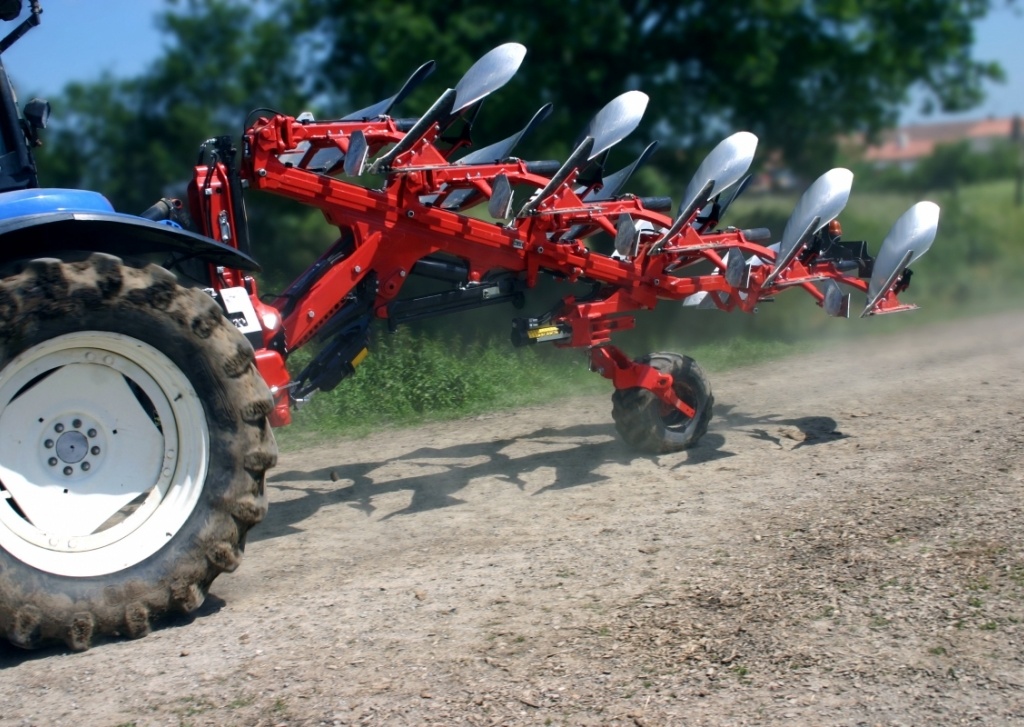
(23, 202)
(50, 222)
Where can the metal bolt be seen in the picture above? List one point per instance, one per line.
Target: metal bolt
(95, 450)
(401, 273)
(77, 423)
(52, 461)
(410, 213)
(85, 466)
(91, 432)
(657, 281)
(48, 444)
(540, 249)
(358, 268)
(261, 172)
(58, 427)
(310, 315)
(68, 471)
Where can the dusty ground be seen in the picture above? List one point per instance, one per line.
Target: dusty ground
(844, 547)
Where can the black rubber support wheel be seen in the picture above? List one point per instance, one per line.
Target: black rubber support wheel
(644, 422)
(134, 445)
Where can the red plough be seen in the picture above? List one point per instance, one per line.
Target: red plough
(416, 225)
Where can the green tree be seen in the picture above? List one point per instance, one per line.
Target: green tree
(136, 139)
(133, 138)
(796, 73)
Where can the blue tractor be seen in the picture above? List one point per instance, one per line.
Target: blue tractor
(133, 425)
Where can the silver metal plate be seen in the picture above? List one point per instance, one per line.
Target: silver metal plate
(492, 71)
(615, 121)
(500, 205)
(383, 108)
(910, 237)
(724, 166)
(355, 158)
(501, 150)
(819, 205)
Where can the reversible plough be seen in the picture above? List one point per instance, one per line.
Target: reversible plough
(416, 225)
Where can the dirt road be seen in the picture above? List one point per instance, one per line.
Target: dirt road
(845, 546)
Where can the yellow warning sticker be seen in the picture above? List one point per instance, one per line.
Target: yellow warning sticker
(541, 332)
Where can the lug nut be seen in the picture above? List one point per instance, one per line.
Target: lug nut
(77, 423)
(85, 466)
(91, 433)
(58, 428)
(48, 444)
(52, 461)
(95, 450)
(68, 471)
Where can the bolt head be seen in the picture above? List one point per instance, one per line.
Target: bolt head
(48, 444)
(52, 461)
(58, 427)
(68, 471)
(95, 450)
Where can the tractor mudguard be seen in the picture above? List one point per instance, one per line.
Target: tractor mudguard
(43, 222)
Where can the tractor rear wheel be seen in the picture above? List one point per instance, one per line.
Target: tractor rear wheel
(133, 449)
(648, 424)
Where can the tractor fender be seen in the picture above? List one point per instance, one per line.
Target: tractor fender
(48, 222)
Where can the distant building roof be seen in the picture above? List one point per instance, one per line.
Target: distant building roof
(913, 142)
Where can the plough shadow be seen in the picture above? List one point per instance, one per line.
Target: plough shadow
(592, 445)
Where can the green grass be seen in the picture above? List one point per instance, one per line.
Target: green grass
(974, 267)
(410, 379)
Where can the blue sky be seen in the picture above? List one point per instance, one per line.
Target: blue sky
(80, 38)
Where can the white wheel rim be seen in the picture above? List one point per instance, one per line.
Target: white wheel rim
(104, 449)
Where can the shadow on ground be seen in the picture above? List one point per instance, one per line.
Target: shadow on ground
(593, 446)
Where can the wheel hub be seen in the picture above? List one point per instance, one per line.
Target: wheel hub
(73, 445)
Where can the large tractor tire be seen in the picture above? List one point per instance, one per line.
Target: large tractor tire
(133, 449)
(647, 424)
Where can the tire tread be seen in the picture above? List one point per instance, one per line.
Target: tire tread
(38, 608)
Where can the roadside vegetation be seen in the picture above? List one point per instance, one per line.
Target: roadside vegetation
(417, 375)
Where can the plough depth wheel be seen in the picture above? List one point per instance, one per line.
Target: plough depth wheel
(648, 424)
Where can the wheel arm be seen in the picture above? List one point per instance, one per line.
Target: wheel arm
(624, 373)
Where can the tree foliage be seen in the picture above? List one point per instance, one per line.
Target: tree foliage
(796, 72)
(136, 138)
